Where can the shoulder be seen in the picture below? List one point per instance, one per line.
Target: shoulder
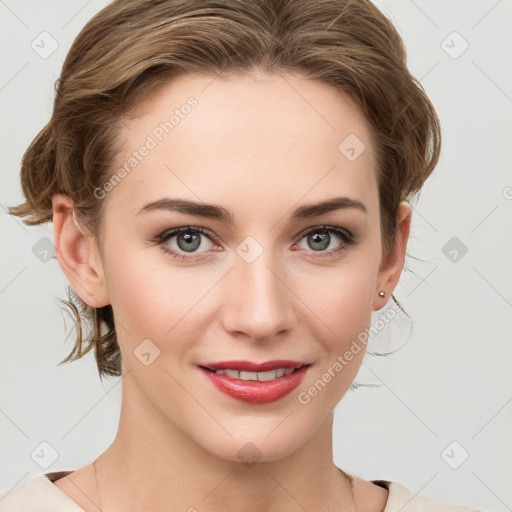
(38, 494)
(402, 499)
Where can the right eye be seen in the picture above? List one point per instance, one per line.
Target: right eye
(188, 240)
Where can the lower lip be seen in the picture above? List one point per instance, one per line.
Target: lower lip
(255, 391)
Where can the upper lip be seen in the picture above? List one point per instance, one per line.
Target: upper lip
(248, 366)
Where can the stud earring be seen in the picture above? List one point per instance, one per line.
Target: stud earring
(382, 294)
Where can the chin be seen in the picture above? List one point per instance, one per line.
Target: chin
(250, 444)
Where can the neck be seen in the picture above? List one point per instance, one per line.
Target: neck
(151, 464)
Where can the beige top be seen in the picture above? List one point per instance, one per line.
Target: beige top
(39, 494)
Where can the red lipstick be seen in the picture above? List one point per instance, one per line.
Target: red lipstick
(269, 389)
(253, 367)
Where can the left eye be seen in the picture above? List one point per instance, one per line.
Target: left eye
(319, 239)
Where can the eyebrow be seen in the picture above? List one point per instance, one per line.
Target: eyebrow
(211, 211)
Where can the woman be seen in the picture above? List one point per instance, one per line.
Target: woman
(229, 184)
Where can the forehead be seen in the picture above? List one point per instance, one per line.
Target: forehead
(243, 140)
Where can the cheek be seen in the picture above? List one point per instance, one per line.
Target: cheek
(341, 297)
(343, 315)
(341, 300)
(152, 300)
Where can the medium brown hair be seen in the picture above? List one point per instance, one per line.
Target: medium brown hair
(131, 47)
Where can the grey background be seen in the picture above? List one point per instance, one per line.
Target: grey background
(450, 383)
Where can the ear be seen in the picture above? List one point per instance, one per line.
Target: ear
(391, 268)
(78, 254)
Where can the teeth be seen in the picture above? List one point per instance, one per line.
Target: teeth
(248, 375)
(261, 376)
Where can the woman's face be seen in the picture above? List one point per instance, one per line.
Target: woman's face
(263, 280)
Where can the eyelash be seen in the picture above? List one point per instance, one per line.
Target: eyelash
(348, 239)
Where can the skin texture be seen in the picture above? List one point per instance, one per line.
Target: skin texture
(260, 147)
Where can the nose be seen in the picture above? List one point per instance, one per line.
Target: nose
(259, 301)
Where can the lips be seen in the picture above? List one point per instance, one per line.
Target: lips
(255, 382)
(248, 366)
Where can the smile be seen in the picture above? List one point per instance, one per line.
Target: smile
(259, 376)
(242, 380)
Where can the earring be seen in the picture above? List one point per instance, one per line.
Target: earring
(382, 294)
